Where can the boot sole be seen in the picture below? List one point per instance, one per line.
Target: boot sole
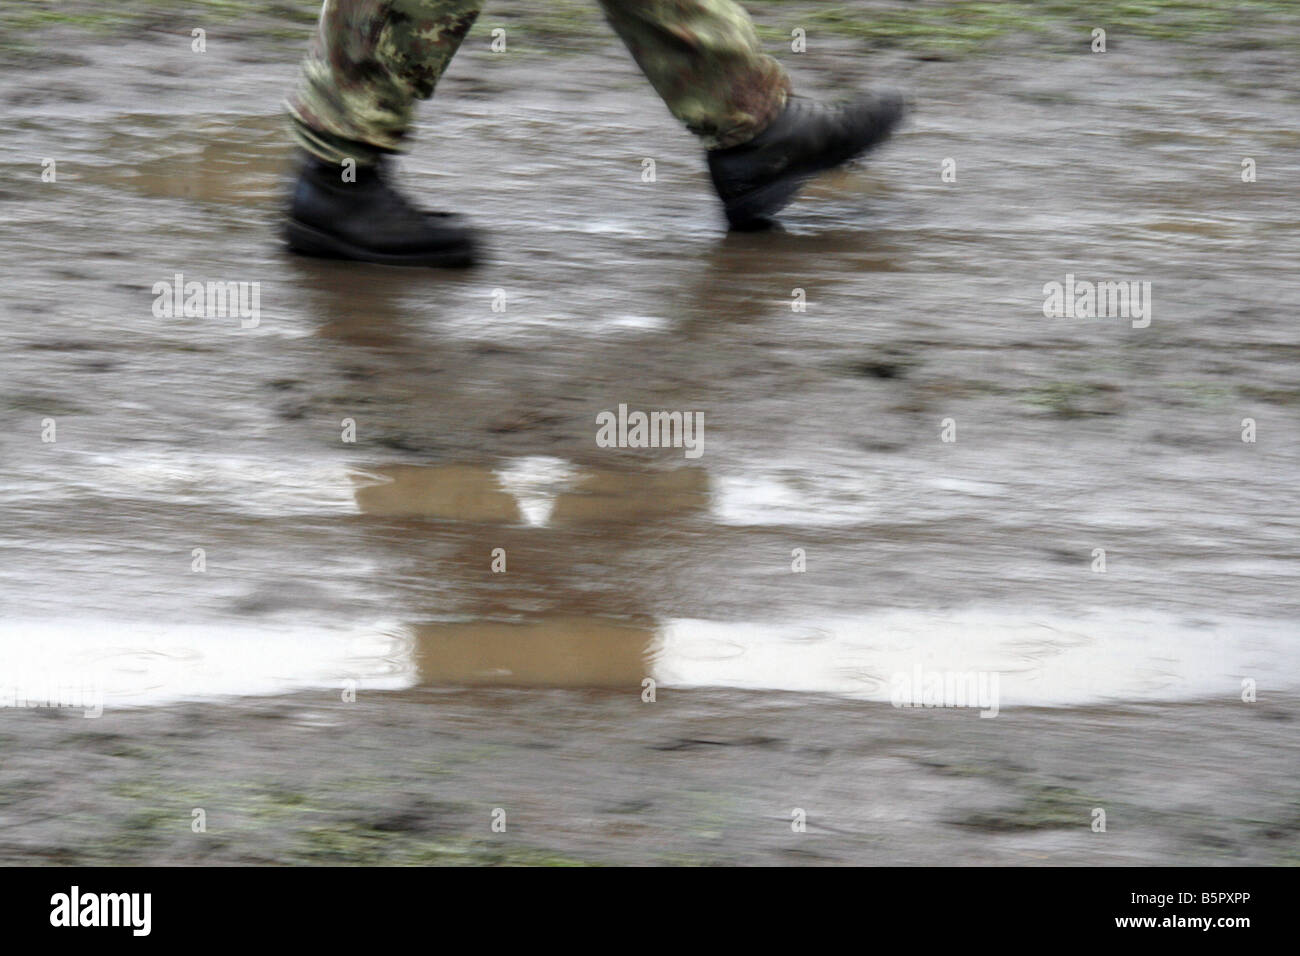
(306, 241)
(754, 210)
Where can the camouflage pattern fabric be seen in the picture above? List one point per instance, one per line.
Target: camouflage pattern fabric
(371, 60)
(704, 59)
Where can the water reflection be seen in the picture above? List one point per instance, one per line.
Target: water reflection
(546, 621)
(452, 492)
(537, 621)
(574, 652)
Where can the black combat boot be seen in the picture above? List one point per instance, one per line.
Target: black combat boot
(370, 221)
(758, 178)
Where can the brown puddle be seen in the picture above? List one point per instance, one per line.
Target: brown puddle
(626, 496)
(461, 492)
(552, 652)
(581, 640)
(238, 162)
(476, 493)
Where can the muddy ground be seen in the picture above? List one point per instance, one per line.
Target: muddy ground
(700, 777)
(924, 304)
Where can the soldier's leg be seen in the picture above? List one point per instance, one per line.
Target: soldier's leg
(370, 61)
(703, 57)
(368, 64)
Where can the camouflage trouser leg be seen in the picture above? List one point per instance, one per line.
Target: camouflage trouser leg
(372, 59)
(368, 64)
(703, 57)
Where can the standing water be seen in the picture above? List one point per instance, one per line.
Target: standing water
(906, 460)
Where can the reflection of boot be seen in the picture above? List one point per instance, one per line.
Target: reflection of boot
(370, 221)
(756, 179)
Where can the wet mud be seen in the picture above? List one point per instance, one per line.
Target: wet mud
(829, 360)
